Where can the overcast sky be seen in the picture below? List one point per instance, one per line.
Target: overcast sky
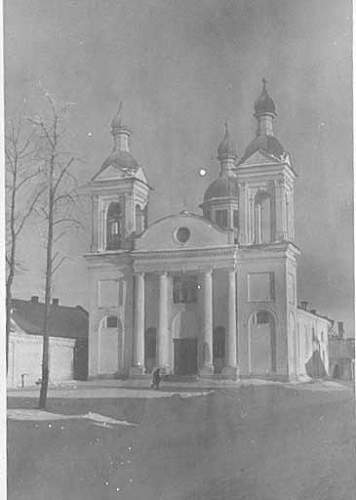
(181, 68)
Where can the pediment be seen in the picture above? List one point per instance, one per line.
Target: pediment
(182, 231)
(261, 157)
(114, 173)
(111, 173)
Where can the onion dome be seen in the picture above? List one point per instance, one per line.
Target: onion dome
(222, 187)
(264, 104)
(120, 158)
(227, 148)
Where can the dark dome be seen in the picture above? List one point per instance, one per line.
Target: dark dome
(265, 143)
(222, 187)
(227, 148)
(264, 104)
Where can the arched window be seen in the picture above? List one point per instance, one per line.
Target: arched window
(113, 227)
(235, 219)
(263, 229)
(262, 343)
(221, 218)
(140, 217)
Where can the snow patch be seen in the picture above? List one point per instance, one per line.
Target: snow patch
(41, 415)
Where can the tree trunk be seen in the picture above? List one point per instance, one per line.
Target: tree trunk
(48, 289)
(10, 277)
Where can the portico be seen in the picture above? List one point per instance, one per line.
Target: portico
(184, 311)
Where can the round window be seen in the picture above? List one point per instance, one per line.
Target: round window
(183, 234)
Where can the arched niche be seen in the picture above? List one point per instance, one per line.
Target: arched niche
(185, 332)
(140, 219)
(110, 345)
(262, 343)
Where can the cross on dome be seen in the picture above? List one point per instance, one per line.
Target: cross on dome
(264, 104)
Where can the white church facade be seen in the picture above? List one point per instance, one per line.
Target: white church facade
(214, 294)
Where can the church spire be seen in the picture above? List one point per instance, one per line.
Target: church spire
(265, 111)
(227, 153)
(120, 132)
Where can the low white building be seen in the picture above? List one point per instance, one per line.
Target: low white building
(68, 343)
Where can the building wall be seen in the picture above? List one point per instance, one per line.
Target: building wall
(253, 275)
(25, 358)
(312, 340)
(341, 356)
(110, 294)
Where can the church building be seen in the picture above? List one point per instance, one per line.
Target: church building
(212, 294)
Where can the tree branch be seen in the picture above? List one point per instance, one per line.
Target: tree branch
(63, 171)
(57, 266)
(25, 179)
(28, 213)
(67, 219)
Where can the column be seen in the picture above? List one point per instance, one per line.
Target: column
(230, 368)
(138, 347)
(280, 210)
(95, 221)
(162, 336)
(251, 219)
(208, 368)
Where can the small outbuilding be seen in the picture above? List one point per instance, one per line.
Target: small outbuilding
(68, 342)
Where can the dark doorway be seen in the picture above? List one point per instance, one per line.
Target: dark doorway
(150, 349)
(218, 348)
(185, 356)
(80, 360)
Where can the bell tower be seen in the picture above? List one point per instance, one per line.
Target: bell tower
(119, 193)
(267, 259)
(266, 183)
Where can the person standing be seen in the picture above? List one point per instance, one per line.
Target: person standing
(156, 379)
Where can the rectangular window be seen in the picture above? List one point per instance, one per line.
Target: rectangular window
(111, 322)
(221, 218)
(185, 290)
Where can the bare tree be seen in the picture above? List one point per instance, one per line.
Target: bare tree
(57, 210)
(21, 199)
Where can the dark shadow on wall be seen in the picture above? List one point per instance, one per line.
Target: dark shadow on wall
(315, 367)
(80, 360)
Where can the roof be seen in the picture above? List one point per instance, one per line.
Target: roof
(64, 321)
(121, 160)
(266, 144)
(222, 187)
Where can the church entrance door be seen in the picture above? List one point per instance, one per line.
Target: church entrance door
(185, 356)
